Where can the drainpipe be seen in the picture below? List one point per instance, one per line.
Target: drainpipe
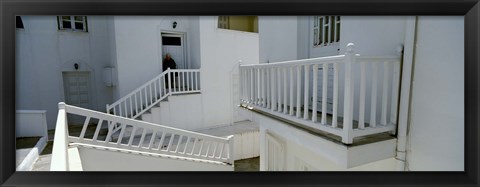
(405, 94)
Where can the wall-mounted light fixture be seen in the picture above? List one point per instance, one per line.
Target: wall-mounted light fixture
(75, 66)
(174, 24)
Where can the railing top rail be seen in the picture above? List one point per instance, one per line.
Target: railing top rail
(377, 58)
(142, 124)
(149, 82)
(321, 60)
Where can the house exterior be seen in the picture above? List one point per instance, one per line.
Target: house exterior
(96, 61)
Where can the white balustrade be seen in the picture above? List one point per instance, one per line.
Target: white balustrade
(286, 88)
(137, 136)
(169, 82)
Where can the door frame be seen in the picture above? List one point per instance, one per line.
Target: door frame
(183, 35)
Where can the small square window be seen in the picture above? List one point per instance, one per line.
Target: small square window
(72, 23)
(326, 30)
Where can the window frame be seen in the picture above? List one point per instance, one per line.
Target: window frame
(72, 20)
(326, 30)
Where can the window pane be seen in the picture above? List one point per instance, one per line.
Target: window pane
(66, 18)
(171, 41)
(79, 26)
(338, 32)
(320, 35)
(78, 18)
(315, 37)
(332, 29)
(66, 25)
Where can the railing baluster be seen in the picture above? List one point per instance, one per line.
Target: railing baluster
(170, 142)
(84, 127)
(131, 107)
(386, 76)
(395, 85)
(269, 84)
(160, 144)
(120, 109)
(361, 115)
(132, 136)
(335, 95)
(285, 85)
(214, 149)
(152, 139)
(188, 81)
(299, 87)
(142, 138)
(174, 77)
(193, 146)
(324, 94)
(373, 105)
(264, 89)
(97, 130)
(274, 90)
(186, 145)
(208, 148)
(178, 143)
(252, 86)
(314, 93)
(201, 147)
(305, 104)
(120, 137)
(221, 150)
(291, 90)
(136, 104)
(257, 82)
(279, 90)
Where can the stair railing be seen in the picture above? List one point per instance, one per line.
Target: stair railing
(169, 82)
(135, 136)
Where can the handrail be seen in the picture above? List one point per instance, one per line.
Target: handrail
(292, 89)
(137, 135)
(155, 90)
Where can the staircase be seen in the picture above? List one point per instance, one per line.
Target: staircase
(149, 95)
(134, 137)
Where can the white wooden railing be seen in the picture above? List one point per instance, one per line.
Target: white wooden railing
(283, 89)
(152, 92)
(135, 135)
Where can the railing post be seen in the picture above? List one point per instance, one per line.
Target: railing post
(60, 148)
(169, 82)
(348, 96)
(231, 152)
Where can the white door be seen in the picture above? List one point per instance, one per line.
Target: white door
(76, 87)
(175, 45)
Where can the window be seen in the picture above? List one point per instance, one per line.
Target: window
(239, 23)
(18, 22)
(326, 30)
(74, 23)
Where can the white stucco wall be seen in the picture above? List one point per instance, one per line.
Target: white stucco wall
(436, 138)
(221, 50)
(43, 53)
(105, 160)
(139, 47)
(278, 38)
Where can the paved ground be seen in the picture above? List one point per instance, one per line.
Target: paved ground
(250, 164)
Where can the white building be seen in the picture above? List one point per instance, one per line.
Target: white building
(116, 61)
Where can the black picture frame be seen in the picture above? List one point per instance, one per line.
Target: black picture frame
(8, 9)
